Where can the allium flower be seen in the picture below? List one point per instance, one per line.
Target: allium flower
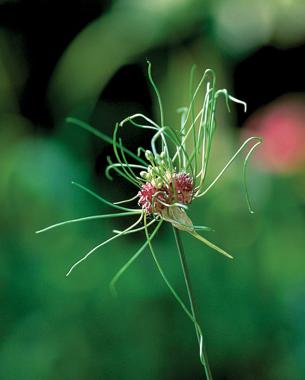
(178, 189)
(170, 176)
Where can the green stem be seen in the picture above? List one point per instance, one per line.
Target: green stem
(187, 280)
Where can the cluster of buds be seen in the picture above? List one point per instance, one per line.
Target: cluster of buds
(163, 187)
(157, 172)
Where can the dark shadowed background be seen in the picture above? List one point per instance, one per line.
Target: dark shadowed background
(88, 59)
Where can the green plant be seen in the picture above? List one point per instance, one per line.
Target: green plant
(169, 177)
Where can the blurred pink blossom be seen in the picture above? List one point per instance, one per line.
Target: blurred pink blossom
(282, 126)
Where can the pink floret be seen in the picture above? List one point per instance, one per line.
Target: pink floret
(147, 201)
(184, 187)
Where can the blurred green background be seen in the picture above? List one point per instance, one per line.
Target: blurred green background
(88, 59)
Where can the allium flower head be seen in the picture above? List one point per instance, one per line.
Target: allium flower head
(155, 197)
(168, 178)
(171, 175)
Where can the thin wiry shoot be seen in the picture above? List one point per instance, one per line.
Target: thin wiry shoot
(103, 243)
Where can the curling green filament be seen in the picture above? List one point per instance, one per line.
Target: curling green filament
(254, 138)
(101, 135)
(103, 199)
(86, 218)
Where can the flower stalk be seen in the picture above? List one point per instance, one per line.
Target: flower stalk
(187, 279)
